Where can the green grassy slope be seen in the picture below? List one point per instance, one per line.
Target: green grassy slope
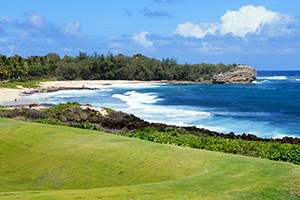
(53, 162)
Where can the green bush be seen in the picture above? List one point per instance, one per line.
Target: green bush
(83, 126)
(49, 121)
(108, 110)
(270, 150)
(14, 83)
(62, 107)
(70, 124)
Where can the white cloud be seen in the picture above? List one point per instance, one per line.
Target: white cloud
(116, 45)
(142, 40)
(72, 29)
(5, 19)
(36, 20)
(285, 51)
(163, 42)
(113, 43)
(209, 48)
(247, 20)
(189, 29)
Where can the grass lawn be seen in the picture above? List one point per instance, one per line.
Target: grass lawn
(39, 161)
(15, 83)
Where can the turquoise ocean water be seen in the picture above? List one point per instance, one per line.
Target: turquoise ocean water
(267, 108)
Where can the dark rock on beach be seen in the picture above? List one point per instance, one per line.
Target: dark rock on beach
(55, 89)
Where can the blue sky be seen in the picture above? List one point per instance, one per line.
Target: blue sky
(262, 34)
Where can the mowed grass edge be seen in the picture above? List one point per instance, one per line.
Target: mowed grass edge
(55, 162)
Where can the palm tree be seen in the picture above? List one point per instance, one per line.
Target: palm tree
(23, 67)
(4, 66)
(13, 66)
(20, 66)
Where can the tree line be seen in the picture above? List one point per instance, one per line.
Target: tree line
(105, 67)
(13, 67)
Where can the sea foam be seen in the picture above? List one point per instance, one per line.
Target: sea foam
(128, 85)
(133, 98)
(261, 82)
(144, 105)
(273, 77)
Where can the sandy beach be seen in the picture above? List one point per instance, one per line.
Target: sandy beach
(8, 96)
(12, 96)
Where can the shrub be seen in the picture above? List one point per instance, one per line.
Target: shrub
(49, 121)
(34, 114)
(61, 107)
(108, 110)
(270, 150)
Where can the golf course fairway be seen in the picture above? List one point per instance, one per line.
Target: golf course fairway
(39, 161)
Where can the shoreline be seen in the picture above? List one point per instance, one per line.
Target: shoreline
(8, 96)
(15, 97)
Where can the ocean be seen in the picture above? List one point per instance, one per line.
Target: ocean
(269, 107)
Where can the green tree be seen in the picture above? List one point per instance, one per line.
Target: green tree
(20, 66)
(4, 69)
(68, 71)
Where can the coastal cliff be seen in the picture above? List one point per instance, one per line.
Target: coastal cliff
(240, 74)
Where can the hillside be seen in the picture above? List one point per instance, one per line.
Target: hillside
(54, 162)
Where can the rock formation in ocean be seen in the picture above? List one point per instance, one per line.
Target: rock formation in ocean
(240, 74)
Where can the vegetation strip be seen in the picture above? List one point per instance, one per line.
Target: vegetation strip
(71, 114)
(269, 150)
(109, 67)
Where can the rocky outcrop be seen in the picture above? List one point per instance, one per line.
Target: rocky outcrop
(240, 74)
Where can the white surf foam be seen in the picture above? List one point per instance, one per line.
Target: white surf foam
(214, 128)
(282, 136)
(297, 79)
(129, 85)
(273, 77)
(66, 93)
(133, 98)
(260, 82)
(241, 114)
(143, 105)
(177, 123)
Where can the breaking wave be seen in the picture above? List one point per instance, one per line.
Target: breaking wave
(143, 105)
(273, 77)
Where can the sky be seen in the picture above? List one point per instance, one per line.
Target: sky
(261, 34)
